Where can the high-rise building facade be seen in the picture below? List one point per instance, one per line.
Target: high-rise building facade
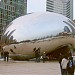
(54, 6)
(9, 10)
(64, 7)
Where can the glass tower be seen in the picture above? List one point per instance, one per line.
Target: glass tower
(9, 10)
(64, 7)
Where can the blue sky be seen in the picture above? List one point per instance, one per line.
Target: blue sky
(38, 4)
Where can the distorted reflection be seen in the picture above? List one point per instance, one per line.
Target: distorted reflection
(39, 28)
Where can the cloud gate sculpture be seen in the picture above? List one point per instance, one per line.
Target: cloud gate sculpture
(46, 30)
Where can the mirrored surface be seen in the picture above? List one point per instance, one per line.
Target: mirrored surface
(38, 26)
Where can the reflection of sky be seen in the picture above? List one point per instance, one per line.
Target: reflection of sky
(37, 25)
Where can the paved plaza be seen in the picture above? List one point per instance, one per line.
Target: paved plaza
(29, 68)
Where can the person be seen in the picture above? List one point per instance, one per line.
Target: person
(38, 54)
(60, 60)
(6, 56)
(44, 57)
(34, 50)
(2, 53)
(70, 66)
(64, 65)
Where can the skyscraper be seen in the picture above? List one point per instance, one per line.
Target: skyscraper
(9, 10)
(64, 7)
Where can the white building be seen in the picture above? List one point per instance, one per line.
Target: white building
(64, 7)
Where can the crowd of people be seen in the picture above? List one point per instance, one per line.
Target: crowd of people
(5, 55)
(66, 62)
(37, 55)
(66, 65)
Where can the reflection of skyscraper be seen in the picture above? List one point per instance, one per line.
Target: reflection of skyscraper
(66, 29)
(9, 10)
(64, 7)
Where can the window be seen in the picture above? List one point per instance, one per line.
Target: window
(5, 1)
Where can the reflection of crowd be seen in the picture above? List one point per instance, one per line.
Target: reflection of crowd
(37, 54)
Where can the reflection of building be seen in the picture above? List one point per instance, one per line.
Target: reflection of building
(64, 7)
(9, 10)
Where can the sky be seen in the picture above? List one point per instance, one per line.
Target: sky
(40, 4)
(33, 4)
(73, 9)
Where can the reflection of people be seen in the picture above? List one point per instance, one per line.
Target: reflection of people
(64, 65)
(37, 54)
(34, 50)
(44, 57)
(70, 66)
(12, 51)
(6, 55)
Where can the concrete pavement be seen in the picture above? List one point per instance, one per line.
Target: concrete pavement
(29, 68)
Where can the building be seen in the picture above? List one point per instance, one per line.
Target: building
(9, 10)
(64, 7)
(74, 21)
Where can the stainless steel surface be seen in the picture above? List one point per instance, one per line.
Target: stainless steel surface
(46, 30)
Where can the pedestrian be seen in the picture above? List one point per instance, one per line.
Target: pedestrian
(70, 66)
(44, 57)
(6, 56)
(2, 53)
(64, 65)
(60, 60)
(38, 54)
